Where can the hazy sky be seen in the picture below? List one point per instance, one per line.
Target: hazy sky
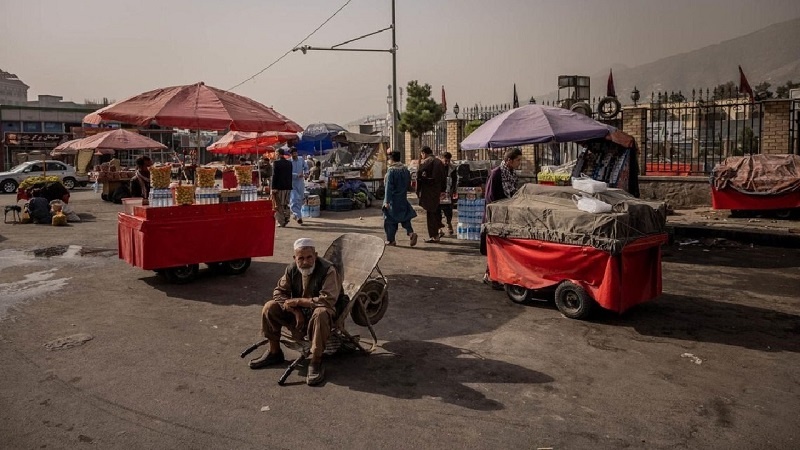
(477, 49)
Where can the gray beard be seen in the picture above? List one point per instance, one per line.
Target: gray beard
(306, 272)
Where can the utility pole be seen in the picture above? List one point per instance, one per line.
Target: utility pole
(305, 48)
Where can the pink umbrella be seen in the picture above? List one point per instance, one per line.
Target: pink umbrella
(66, 148)
(109, 141)
(197, 107)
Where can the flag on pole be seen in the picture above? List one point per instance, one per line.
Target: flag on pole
(610, 91)
(516, 99)
(744, 86)
(444, 102)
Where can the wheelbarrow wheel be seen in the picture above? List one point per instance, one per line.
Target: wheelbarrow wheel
(573, 301)
(181, 274)
(236, 266)
(375, 303)
(518, 294)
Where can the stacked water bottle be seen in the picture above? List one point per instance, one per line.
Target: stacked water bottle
(206, 196)
(471, 207)
(160, 198)
(249, 193)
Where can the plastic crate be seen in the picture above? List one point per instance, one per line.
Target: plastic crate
(340, 204)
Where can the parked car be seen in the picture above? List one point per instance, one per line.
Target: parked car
(9, 181)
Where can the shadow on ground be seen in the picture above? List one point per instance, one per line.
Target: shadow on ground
(413, 370)
(254, 287)
(439, 307)
(702, 320)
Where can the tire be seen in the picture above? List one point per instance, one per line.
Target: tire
(182, 274)
(104, 197)
(573, 301)
(608, 108)
(783, 213)
(69, 183)
(8, 186)
(518, 294)
(236, 266)
(375, 304)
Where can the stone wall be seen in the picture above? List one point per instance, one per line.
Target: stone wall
(679, 192)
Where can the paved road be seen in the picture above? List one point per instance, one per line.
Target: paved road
(712, 363)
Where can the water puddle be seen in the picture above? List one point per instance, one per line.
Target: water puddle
(33, 285)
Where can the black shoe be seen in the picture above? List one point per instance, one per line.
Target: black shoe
(316, 374)
(267, 359)
(299, 221)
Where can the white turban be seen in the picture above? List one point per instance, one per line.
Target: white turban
(303, 242)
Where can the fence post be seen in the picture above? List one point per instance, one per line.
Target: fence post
(412, 148)
(455, 134)
(634, 121)
(775, 126)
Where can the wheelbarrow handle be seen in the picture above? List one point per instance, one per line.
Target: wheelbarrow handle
(250, 349)
(290, 369)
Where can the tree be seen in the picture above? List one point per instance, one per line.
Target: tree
(676, 97)
(761, 91)
(422, 112)
(783, 91)
(724, 91)
(471, 126)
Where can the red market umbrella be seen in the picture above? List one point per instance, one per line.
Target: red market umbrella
(244, 142)
(195, 106)
(66, 148)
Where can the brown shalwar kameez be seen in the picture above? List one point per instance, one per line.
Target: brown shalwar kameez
(318, 325)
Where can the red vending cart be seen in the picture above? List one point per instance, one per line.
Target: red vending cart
(175, 240)
(757, 183)
(539, 239)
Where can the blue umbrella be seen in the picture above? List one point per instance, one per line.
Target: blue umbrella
(321, 131)
(535, 124)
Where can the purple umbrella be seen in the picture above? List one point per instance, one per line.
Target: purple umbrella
(535, 124)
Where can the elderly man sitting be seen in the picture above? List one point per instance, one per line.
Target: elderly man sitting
(305, 302)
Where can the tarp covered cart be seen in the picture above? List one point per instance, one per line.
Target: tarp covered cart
(539, 239)
(757, 183)
(173, 241)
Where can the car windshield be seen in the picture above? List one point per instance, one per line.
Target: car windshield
(19, 167)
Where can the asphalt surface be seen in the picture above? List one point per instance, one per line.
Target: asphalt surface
(94, 352)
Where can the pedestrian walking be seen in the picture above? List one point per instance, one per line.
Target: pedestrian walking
(431, 182)
(297, 196)
(281, 187)
(446, 198)
(396, 208)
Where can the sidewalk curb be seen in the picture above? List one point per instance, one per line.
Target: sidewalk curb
(784, 240)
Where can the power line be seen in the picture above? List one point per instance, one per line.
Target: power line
(295, 46)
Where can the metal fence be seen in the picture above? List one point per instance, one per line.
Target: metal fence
(689, 136)
(794, 128)
(437, 138)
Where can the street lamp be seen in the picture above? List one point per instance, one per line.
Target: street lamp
(393, 51)
(456, 110)
(635, 96)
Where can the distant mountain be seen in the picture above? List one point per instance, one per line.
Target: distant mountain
(771, 54)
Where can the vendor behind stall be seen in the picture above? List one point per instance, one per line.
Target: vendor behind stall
(140, 183)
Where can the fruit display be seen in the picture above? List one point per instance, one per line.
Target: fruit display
(31, 181)
(558, 179)
(205, 177)
(184, 195)
(160, 177)
(244, 175)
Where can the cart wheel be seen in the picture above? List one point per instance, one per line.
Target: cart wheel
(236, 266)
(518, 294)
(783, 213)
(375, 305)
(104, 197)
(182, 274)
(573, 301)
